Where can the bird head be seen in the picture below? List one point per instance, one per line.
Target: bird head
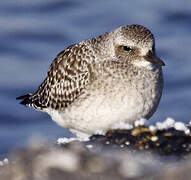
(135, 44)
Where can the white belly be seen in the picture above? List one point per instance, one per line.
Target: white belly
(106, 107)
(101, 113)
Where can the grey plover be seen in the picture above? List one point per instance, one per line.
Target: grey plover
(100, 82)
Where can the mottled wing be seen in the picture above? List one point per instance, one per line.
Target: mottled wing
(67, 77)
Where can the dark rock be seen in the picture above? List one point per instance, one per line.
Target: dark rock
(133, 154)
(163, 142)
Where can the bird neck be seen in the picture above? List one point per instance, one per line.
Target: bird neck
(102, 46)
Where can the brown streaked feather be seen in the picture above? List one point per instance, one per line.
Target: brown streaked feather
(67, 77)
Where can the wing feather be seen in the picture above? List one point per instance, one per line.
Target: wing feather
(67, 77)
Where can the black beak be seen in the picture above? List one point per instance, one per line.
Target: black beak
(153, 59)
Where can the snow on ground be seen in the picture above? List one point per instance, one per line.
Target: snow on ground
(65, 140)
(166, 124)
(4, 162)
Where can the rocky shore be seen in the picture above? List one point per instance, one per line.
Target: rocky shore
(141, 152)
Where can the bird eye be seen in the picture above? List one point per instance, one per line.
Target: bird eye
(126, 48)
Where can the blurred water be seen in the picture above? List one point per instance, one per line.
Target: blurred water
(33, 32)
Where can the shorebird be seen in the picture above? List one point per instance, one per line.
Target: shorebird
(100, 82)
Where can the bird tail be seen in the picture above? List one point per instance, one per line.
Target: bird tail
(31, 100)
(26, 99)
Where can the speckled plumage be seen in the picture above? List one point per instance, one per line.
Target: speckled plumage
(103, 81)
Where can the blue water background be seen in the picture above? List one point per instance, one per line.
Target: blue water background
(33, 32)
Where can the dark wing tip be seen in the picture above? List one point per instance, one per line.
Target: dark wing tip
(23, 97)
(26, 99)
(31, 101)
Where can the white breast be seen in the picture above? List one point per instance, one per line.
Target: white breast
(116, 100)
